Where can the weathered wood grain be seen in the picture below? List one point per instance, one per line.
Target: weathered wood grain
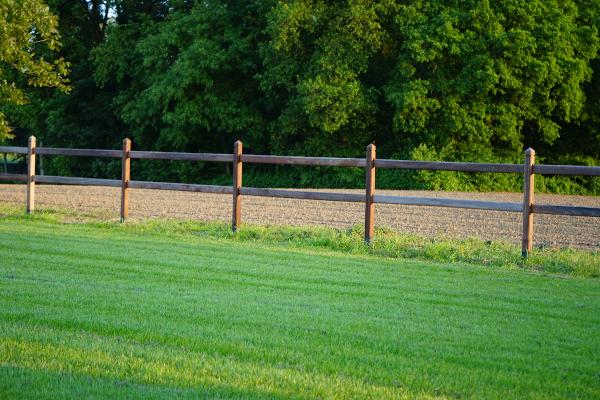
(567, 170)
(160, 155)
(125, 178)
(449, 166)
(13, 177)
(447, 202)
(184, 187)
(56, 151)
(528, 201)
(236, 211)
(68, 180)
(303, 195)
(31, 152)
(13, 150)
(566, 210)
(297, 160)
(369, 193)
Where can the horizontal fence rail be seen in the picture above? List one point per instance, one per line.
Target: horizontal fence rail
(448, 202)
(184, 187)
(13, 150)
(370, 163)
(303, 195)
(449, 166)
(13, 177)
(77, 152)
(566, 210)
(160, 155)
(566, 170)
(297, 160)
(67, 180)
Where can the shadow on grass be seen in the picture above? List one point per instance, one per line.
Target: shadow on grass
(24, 383)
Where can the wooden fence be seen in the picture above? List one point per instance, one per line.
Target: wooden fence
(370, 163)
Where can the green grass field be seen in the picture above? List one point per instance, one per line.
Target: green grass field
(99, 310)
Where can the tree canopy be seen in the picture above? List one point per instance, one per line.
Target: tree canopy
(450, 80)
(27, 31)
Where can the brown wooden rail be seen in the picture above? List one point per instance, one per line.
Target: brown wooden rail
(77, 152)
(13, 150)
(68, 180)
(566, 170)
(528, 207)
(303, 195)
(449, 202)
(566, 210)
(311, 161)
(449, 166)
(161, 155)
(13, 177)
(184, 187)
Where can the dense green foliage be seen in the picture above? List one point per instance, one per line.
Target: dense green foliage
(468, 80)
(135, 312)
(26, 27)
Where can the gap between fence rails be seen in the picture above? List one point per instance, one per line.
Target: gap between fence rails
(528, 207)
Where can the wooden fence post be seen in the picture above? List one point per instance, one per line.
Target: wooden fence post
(30, 175)
(528, 201)
(125, 177)
(237, 185)
(370, 192)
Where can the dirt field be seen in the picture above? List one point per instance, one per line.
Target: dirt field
(550, 230)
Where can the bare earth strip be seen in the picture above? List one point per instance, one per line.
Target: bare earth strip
(550, 230)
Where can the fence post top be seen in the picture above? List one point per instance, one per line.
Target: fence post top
(126, 140)
(530, 152)
(238, 143)
(371, 146)
(31, 139)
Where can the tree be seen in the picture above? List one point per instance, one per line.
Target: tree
(187, 82)
(324, 64)
(468, 80)
(484, 79)
(27, 28)
(85, 117)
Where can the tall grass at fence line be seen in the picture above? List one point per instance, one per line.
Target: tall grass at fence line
(388, 243)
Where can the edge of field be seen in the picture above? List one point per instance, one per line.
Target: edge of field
(389, 244)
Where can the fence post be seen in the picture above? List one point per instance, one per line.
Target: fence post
(370, 193)
(237, 185)
(528, 201)
(30, 175)
(125, 177)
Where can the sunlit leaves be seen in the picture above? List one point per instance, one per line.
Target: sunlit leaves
(497, 72)
(26, 28)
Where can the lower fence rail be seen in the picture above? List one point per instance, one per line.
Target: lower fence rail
(303, 195)
(13, 177)
(68, 180)
(448, 202)
(184, 187)
(566, 210)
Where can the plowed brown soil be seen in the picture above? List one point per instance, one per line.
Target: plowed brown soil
(550, 230)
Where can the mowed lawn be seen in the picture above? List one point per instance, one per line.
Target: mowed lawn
(104, 312)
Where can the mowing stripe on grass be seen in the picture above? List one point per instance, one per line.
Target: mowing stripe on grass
(140, 314)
